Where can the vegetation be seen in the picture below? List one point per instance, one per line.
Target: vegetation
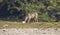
(7, 24)
(16, 9)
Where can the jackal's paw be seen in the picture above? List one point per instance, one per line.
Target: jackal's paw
(23, 22)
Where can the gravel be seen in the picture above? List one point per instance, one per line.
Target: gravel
(30, 31)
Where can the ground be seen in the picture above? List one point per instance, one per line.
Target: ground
(33, 28)
(30, 31)
(8, 24)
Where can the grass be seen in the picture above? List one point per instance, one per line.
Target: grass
(8, 24)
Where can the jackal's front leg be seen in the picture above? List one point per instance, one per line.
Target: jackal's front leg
(26, 19)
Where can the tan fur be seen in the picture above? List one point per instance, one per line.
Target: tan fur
(33, 15)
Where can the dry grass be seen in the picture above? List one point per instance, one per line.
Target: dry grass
(8, 24)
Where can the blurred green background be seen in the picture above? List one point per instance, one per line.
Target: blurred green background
(15, 10)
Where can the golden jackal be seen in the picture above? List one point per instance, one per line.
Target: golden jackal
(29, 16)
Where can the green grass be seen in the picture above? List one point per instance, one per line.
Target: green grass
(29, 25)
